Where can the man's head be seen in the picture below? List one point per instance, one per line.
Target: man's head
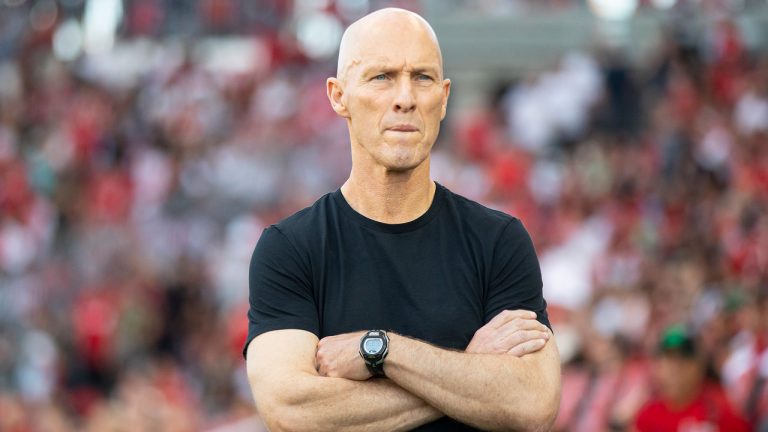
(679, 366)
(390, 88)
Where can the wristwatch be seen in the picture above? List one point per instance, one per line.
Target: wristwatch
(374, 346)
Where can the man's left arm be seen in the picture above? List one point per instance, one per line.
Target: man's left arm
(488, 387)
(489, 391)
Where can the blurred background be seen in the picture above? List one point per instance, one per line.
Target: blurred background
(145, 144)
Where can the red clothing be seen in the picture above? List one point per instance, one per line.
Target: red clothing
(710, 412)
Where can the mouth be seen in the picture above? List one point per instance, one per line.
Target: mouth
(403, 128)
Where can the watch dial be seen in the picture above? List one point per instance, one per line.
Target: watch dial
(373, 346)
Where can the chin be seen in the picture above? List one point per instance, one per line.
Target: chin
(402, 163)
(399, 169)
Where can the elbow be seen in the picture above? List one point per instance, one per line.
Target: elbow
(544, 411)
(278, 409)
(542, 421)
(294, 413)
(535, 415)
(533, 420)
(543, 404)
(283, 406)
(296, 420)
(283, 418)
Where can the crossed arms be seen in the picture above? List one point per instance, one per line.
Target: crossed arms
(507, 379)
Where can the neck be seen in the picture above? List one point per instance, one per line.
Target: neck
(686, 395)
(390, 196)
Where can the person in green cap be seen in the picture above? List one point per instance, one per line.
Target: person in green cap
(686, 398)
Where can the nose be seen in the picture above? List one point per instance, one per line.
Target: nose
(404, 98)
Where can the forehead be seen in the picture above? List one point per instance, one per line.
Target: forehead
(391, 39)
(398, 62)
(417, 54)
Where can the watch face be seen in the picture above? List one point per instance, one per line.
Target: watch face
(373, 345)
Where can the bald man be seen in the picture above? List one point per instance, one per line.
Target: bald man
(393, 303)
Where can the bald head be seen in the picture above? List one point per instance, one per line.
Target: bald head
(361, 38)
(391, 91)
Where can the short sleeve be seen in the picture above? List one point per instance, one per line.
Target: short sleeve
(515, 281)
(280, 289)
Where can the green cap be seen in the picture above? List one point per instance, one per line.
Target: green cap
(677, 340)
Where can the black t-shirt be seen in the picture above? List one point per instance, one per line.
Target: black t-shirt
(330, 270)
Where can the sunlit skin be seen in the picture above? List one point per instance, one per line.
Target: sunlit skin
(391, 91)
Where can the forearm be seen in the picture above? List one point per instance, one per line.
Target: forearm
(489, 391)
(336, 404)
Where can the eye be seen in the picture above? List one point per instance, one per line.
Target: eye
(380, 77)
(423, 77)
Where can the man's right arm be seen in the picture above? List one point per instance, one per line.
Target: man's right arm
(291, 396)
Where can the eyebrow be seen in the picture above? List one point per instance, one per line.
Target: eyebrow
(388, 69)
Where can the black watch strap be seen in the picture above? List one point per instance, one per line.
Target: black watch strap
(376, 369)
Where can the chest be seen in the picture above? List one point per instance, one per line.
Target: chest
(429, 285)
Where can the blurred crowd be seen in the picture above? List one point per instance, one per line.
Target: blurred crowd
(128, 216)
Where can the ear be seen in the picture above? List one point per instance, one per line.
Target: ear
(446, 93)
(335, 93)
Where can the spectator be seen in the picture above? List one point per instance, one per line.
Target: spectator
(686, 398)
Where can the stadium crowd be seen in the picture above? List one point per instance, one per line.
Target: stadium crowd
(128, 216)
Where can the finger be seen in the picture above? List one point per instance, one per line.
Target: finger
(522, 336)
(506, 316)
(521, 324)
(527, 347)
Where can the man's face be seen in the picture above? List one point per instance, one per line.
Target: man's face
(395, 95)
(676, 375)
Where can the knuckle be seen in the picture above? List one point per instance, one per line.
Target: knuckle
(533, 326)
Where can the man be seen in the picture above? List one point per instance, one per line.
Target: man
(687, 399)
(394, 275)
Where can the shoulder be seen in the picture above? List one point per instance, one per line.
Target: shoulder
(295, 233)
(306, 219)
(491, 221)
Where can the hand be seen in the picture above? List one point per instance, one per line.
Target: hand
(510, 332)
(339, 356)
